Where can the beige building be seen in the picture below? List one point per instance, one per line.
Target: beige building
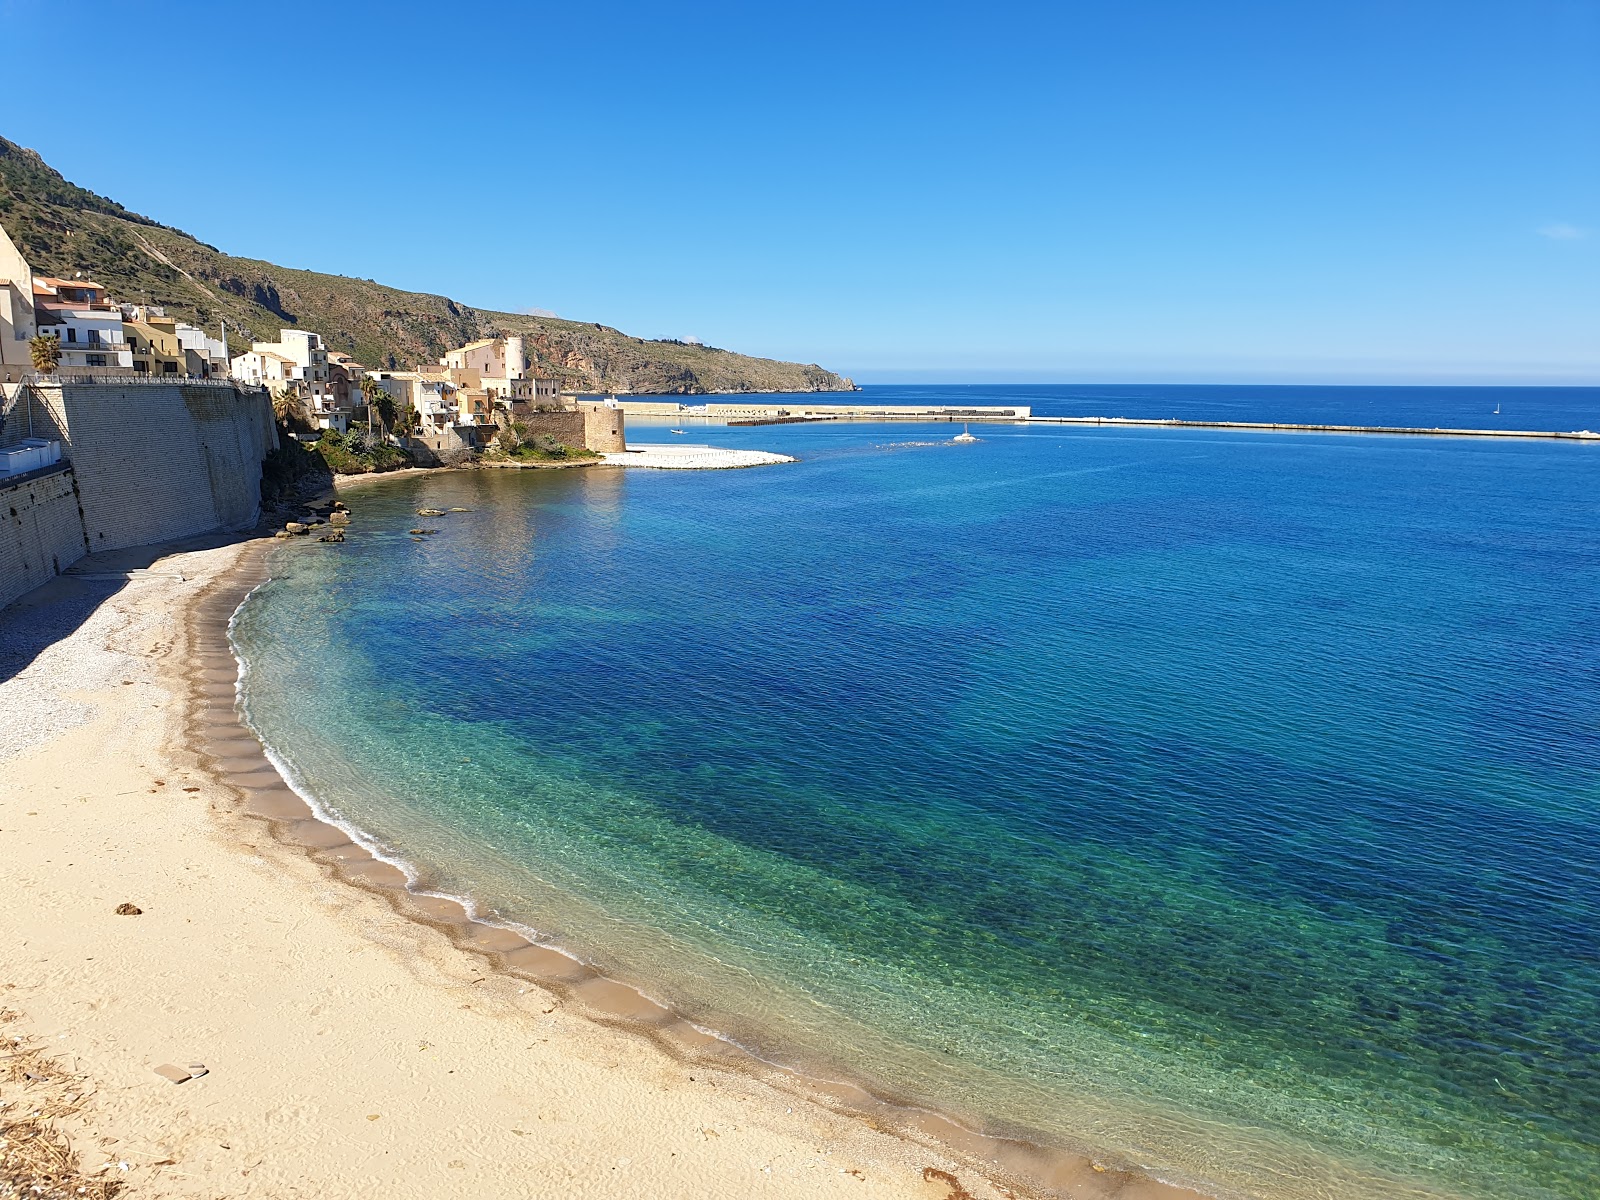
(16, 312)
(501, 367)
(157, 349)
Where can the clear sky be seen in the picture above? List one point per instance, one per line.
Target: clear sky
(1125, 190)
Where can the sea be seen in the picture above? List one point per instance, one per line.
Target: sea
(1222, 804)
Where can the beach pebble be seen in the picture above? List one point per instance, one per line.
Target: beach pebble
(128, 910)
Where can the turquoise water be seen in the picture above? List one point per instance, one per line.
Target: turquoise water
(1226, 804)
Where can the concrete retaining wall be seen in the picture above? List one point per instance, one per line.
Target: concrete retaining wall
(41, 531)
(156, 462)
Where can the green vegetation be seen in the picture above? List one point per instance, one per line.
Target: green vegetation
(381, 405)
(63, 228)
(45, 350)
(358, 453)
(292, 470)
(517, 444)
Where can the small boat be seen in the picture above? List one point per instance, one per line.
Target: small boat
(678, 431)
(1497, 410)
(965, 435)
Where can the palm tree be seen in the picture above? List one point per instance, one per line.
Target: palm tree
(46, 352)
(378, 401)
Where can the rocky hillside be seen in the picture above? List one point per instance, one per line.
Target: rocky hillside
(62, 229)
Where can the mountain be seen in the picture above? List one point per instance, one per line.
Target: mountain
(63, 229)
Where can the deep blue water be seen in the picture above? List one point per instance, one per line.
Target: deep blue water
(1545, 408)
(1227, 803)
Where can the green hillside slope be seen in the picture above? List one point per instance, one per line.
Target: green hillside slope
(63, 229)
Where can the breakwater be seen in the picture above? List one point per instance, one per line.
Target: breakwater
(1286, 427)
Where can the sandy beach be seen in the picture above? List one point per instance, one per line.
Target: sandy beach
(355, 1041)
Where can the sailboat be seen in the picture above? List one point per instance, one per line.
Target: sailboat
(965, 435)
(1497, 410)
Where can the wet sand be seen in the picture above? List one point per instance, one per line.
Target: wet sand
(359, 1039)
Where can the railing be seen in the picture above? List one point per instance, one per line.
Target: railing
(119, 380)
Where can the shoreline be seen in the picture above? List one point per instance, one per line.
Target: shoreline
(1021, 1167)
(274, 954)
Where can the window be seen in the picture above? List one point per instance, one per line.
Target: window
(97, 360)
(72, 335)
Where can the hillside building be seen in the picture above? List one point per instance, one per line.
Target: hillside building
(298, 362)
(88, 324)
(16, 312)
(493, 391)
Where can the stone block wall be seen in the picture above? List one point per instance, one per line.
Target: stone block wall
(41, 531)
(603, 428)
(565, 425)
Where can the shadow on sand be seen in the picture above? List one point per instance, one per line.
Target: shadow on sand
(54, 610)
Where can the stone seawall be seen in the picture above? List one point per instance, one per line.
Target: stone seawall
(565, 425)
(41, 531)
(155, 461)
(604, 428)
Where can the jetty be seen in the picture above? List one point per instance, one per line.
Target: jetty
(1284, 427)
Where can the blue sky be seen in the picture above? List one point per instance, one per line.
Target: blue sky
(1129, 190)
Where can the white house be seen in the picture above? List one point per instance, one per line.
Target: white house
(298, 360)
(212, 352)
(89, 326)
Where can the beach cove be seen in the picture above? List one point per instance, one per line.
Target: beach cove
(349, 1049)
(610, 941)
(1055, 827)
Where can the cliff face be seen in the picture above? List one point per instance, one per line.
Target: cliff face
(63, 228)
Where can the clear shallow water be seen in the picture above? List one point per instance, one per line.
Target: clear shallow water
(1228, 802)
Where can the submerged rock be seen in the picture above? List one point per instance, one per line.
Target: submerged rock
(430, 512)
